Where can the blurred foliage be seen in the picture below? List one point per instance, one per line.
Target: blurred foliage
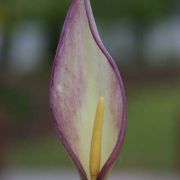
(43, 9)
(17, 103)
(140, 11)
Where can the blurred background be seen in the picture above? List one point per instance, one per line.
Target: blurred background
(143, 36)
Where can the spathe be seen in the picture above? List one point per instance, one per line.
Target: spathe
(83, 71)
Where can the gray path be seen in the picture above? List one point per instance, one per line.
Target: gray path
(69, 175)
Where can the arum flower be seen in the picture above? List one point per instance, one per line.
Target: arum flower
(87, 95)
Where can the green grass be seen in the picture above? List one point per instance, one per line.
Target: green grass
(150, 140)
(151, 132)
(43, 151)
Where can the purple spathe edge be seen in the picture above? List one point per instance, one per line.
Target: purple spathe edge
(98, 41)
(75, 159)
(121, 136)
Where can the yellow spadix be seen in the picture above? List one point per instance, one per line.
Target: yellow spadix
(95, 152)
